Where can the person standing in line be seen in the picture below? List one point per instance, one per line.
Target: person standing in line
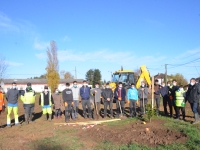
(164, 92)
(46, 101)
(193, 96)
(85, 97)
(97, 99)
(67, 96)
(120, 97)
(172, 90)
(28, 100)
(132, 96)
(107, 95)
(157, 97)
(180, 103)
(143, 94)
(57, 103)
(2, 102)
(12, 98)
(76, 96)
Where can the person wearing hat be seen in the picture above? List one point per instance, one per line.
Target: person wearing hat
(67, 97)
(107, 95)
(132, 96)
(12, 98)
(28, 100)
(46, 101)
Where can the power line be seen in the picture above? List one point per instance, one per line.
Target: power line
(178, 65)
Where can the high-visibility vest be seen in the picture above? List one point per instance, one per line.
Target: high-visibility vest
(180, 100)
(42, 99)
(28, 98)
(1, 100)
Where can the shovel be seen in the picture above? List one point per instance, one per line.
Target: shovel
(143, 102)
(122, 117)
(95, 105)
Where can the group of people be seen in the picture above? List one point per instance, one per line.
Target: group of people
(173, 95)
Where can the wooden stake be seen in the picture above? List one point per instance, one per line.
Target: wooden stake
(152, 92)
(88, 122)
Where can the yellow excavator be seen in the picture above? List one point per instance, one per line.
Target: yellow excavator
(127, 77)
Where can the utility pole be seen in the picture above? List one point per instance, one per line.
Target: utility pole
(75, 73)
(166, 74)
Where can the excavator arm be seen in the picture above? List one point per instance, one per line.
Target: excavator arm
(145, 76)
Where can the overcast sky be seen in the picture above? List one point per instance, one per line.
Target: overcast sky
(105, 35)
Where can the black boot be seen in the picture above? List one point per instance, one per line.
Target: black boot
(196, 116)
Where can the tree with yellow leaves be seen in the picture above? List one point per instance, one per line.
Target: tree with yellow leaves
(52, 68)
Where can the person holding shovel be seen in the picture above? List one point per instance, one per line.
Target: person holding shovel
(97, 100)
(67, 96)
(132, 96)
(46, 101)
(120, 97)
(143, 95)
(107, 95)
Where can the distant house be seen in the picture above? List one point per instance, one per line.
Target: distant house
(37, 84)
(160, 77)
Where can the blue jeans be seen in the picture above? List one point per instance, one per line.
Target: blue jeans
(194, 107)
(58, 112)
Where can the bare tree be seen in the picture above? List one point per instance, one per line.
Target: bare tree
(52, 68)
(3, 67)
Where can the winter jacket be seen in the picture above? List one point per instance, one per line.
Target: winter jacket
(156, 89)
(1, 101)
(97, 95)
(46, 99)
(180, 100)
(132, 94)
(76, 93)
(57, 100)
(123, 93)
(67, 95)
(107, 93)
(85, 93)
(172, 90)
(164, 91)
(12, 96)
(193, 94)
(140, 92)
(28, 98)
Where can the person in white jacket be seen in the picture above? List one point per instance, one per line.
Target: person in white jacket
(76, 95)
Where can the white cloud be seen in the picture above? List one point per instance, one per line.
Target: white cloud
(14, 64)
(41, 45)
(66, 39)
(41, 56)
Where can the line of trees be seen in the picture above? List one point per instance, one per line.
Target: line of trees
(93, 76)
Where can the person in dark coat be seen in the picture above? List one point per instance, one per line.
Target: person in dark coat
(107, 95)
(193, 96)
(120, 97)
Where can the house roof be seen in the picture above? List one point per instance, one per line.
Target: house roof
(160, 76)
(37, 81)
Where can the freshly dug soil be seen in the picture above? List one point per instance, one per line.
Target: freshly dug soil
(137, 133)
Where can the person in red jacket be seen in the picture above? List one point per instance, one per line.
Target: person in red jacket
(2, 104)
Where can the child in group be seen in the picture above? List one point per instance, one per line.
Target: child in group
(57, 103)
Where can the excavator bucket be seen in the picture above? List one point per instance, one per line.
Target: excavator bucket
(144, 76)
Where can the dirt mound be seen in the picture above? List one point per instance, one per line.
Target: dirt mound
(136, 133)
